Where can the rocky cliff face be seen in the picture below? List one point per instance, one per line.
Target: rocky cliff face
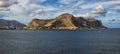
(66, 21)
(10, 24)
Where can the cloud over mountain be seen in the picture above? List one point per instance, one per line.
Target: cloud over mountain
(25, 10)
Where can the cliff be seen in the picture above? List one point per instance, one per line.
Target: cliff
(10, 24)
(65, 21)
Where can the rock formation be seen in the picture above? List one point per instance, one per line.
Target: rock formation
(65, 21)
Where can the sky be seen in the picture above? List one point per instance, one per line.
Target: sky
(26, 10)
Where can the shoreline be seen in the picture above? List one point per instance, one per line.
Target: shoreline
(60, 30)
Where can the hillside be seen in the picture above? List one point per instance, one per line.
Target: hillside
(66, 21)
(10, 24)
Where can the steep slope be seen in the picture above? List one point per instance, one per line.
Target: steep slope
(64, 21)
(37, 24)
(93, 23)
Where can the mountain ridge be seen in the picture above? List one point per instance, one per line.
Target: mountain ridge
(10, 24)
(66, 21)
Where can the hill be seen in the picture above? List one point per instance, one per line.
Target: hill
(65, 21)
(10, 24)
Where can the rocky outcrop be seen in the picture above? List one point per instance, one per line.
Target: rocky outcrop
(66, 21)
(10, 24)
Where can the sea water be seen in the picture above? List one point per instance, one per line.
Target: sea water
(60, 41)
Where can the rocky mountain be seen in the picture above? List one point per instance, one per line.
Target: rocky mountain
(65, 21)
(10, 24)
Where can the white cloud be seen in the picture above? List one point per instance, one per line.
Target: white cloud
(38, 11)
(77, 5)
(7, 3)
(25, 11)
(86, 15)
(106, 3)
(4, 4)
(99, 11)
(4, 9)
(23, 3)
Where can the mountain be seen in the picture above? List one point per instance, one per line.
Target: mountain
(65, 21)
(10, 24)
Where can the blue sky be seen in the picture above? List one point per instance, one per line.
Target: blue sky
(26, 10)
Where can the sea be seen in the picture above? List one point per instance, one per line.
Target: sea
(60, 41)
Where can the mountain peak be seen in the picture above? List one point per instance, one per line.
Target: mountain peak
(66, 14)
(66, 21)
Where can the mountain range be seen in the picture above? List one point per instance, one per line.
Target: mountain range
(10, 24)
(65, 21)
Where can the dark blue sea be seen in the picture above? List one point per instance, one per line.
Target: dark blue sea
(60, 42)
